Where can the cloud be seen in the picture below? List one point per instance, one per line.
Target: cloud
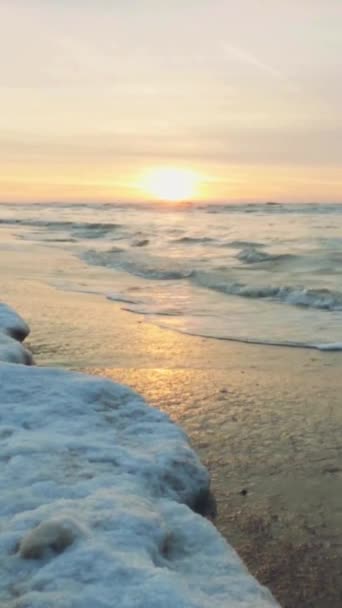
(309, 146)
(232, 52)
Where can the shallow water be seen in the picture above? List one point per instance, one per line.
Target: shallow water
(255, 273)
(263, 420)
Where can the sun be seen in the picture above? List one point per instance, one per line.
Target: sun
(170, 184)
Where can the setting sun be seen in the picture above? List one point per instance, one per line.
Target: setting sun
(170, 184)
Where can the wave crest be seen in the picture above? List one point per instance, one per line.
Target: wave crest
(252, 255)
(323, 299)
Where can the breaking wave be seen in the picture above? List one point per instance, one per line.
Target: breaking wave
(323, 299)
(158, 268)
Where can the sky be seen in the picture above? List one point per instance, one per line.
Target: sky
(246, 95)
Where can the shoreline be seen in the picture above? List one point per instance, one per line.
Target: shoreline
(263, 420)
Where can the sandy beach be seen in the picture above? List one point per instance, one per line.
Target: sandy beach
(265, 421)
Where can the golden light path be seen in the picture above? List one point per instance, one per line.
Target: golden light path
(170, 184)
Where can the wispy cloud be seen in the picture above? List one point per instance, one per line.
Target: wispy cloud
(232, 52)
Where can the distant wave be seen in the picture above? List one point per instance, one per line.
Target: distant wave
(195, 239)
(252, 255)
(273, 208)
(85, 229)
(140, 242)
(242, 244)
(46, 239)
(94, 231)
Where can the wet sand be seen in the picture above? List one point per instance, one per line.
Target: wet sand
(275, 459)
(266, 421)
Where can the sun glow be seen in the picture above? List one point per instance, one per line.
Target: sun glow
(170, 184)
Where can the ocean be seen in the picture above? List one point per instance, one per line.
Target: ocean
(260, 273)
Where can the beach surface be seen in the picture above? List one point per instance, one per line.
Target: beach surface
(266, 421)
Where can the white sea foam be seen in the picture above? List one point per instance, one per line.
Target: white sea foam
(13, 330)
(334, 346)
(98, 500)
(13, 351)
(12, 324)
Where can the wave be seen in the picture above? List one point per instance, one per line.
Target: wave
(324, 347)
(273, 208)
(147, 268)
(149, 271)
(195, 239)
(94, 231)
(158, 268)
(46, 239)
(148, 311)
(140, 242)
(251, 255)
(90, 227)
(323, 299)
(116, 297)
(242, 244)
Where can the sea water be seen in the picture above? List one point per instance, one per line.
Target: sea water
(264, 273)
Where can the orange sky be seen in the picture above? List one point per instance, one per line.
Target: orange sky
(245, 94)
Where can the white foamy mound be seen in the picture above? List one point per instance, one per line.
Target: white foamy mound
(97, 496)
(13, 330)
